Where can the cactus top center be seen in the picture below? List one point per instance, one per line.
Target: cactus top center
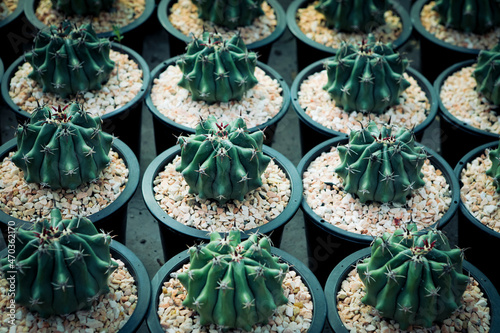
(59, 116)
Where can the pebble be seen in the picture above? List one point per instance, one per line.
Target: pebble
(7, 7)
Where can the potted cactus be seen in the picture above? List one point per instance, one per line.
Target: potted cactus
(66, 271)
(230, 284)
(216, 76)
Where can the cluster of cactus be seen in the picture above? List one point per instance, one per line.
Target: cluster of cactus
(476, 16)
(217, 70)
(353, 15)
(494, 170)
(82, 7)
(62, 147)
(222, 161)
(234, 284)
(68, 60)
(62, 265)
(413, 277)
(366, 77)
(229, 13)
(380, 166)
(487, 74)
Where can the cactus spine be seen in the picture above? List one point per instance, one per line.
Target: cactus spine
(82, 7)
(476, 16)
(234, 284)
(487, 74)
(62, 265)
(229, 13)
(494, 171)
(222, 161)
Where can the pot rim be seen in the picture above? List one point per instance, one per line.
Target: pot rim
(14, 15)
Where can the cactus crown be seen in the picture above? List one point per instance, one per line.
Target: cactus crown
(234, 284)
(381, 166)
(413, 277)
(217, 70)
(353, 15)
(494, 170)
(487, 74)
(62, 265)
(82, 7)
(366, 77)
(229, 13)
(68, 60)
(476, 16)
(222, 161)
(62, 147)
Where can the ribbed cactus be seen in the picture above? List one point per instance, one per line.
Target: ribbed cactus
(494, 171)
(68, 60)
(381, 166)
(487, 74)
(82, 7)
(222, 161)
(217, 70)
(62, 265)
(414, 278)
(476, 16)
(229, 13)
(62, 147)
(353, 15)
(234, 284)
(366, 77)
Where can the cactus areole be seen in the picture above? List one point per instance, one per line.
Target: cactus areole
(413, 277)
(487, 74)
(229, 13)
(82, 7)
(476, 16)
(494, 170)
(380, 166)
(234, 284)
(62, 265)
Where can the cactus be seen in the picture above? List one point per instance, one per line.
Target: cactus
(494, 171)
(82, 7)
(69, 60)
(62, 147)
(476, 16)
(234, 284)
(222, 161)
(229, 13)
(377, 165)
(353, 15)
(62, 265)
(487, 74)
(414, 278)
(217, 70)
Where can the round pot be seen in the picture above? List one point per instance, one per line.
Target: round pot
(175, 236)
(474, 236)
(309, 51)
(313, 133)
(177, 40)
(174, 264)
(340, 272)
(15, 34)
(167, 131)
(113, 218)
(327, 244)
(455, 132)
(124, 122)
(141, 277)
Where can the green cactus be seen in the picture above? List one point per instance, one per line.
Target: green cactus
(68, 60)
(62, 147)
(487, 74)
(414, 278)
(222, 161)
(380, 166)
(82, 7)
(229, 13)
(353, 15)
(62, 265)
(494, 171)
(366, 77)
(476, 16)
(234, 284)
(217, 70)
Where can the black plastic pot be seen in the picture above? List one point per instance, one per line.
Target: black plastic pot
(478, 239)
(313, 133)
(174, 264)
(309, 51)
(138, 271)
(167, 131)
(15, 34)
(327, 244)
(176, 236)
(133, 33)
(124, 122)
(177, 40)
(340, 272)
(113, 218)
(458, 137)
